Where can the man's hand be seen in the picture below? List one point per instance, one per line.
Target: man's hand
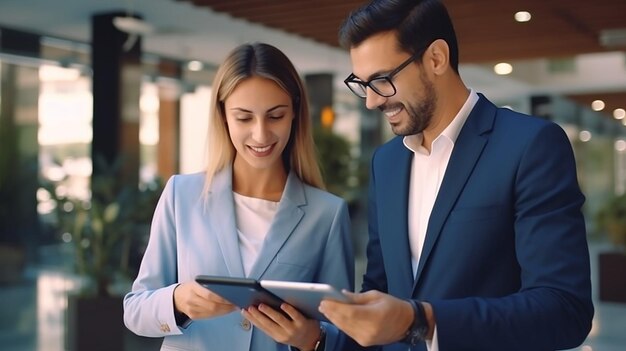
(374, 318)
(287, 327)
(198, 302)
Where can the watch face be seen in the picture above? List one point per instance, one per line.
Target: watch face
(415, 335)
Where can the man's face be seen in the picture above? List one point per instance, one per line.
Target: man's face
(410, 110)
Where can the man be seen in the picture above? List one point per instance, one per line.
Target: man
(477, 240)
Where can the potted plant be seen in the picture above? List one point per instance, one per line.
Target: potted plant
(108, 234)
(611, 220)
(336, 162)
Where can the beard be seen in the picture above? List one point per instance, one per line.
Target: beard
(420, 113)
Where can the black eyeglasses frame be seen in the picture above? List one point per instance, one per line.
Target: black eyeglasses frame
(386, 77)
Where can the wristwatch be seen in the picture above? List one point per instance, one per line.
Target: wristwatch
(320, 344)
(182, 320)
(419, 328)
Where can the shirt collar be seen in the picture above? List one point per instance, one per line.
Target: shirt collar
(413, 142)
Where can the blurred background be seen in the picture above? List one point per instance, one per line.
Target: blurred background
(102, 101)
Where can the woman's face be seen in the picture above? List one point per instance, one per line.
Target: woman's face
(259, 114)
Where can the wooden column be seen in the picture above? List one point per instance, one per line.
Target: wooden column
(168, 150)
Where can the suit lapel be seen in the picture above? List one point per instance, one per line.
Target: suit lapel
(221, 202)
(394, 177)
(285, 221)
(467, 149)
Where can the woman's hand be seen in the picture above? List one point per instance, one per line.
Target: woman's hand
(287, 327)
(198, 302)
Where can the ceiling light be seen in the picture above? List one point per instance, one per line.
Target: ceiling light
(619, 113)
(194, 66)
(620, 145)
(522, 16)
(132, 25)
(584, 136)
(613, 37)
(503, 68)
(597, 105)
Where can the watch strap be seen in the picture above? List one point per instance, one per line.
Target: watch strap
(419, 328)
(320, 344)
(182, 320)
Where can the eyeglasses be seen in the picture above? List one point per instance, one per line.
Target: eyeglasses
(381, 85)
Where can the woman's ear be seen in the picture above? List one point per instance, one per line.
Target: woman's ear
(437, 57)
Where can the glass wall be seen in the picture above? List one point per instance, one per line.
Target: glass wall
(46, 112)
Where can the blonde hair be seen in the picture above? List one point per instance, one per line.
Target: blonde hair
(266, 61)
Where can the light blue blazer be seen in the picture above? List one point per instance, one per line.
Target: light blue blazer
(309, 241)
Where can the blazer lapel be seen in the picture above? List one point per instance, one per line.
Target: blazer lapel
(467, 149)
(285, 221)
(394, 177)
(222, 204)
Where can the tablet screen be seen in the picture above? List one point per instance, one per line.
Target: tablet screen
(306, 297)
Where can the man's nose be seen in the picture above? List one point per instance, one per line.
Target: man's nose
(372, 99)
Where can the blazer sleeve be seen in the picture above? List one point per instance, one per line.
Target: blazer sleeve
(149, 306)
(552, 309)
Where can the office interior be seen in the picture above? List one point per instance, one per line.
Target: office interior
(84, 94)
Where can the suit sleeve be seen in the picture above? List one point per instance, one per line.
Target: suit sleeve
(149, 307)
(375, 277)
(553, 308)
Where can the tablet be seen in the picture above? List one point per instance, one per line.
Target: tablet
(243, 292)
(306, 297)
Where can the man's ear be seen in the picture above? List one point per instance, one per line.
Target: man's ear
(437, 57)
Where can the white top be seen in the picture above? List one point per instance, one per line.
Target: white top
(427, 171)
(253, 217)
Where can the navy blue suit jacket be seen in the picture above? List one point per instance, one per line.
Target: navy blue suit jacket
(505, 262)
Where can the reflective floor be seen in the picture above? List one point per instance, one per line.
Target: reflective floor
(32, 314)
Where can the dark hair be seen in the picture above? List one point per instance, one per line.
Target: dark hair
(417, 23)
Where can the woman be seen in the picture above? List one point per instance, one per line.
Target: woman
(258, 211)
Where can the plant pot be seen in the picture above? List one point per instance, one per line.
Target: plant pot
(612, 280)
(94, 323)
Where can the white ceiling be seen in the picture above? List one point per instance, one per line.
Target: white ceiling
(182, 31)
(185, 32)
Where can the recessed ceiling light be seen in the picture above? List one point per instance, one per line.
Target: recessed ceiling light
(522, 16)
(584, 136)
(619, 113)
(503, 68)
(597, 105)
(195, 65)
